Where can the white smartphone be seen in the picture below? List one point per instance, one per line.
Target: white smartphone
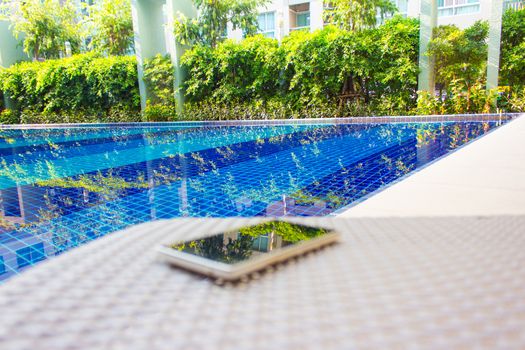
(234, 254)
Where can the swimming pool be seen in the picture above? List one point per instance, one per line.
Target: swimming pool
(61, 187)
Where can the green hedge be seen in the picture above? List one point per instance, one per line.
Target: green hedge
(80, 88)
(512, 63)
(159, 78)
(333, 72)
(310, 71)
(327, 73)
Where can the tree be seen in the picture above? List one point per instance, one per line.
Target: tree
(46, 26)
(513, 48)
(460, 55)
(357, 14)
(5, 9)
(112, 26)
(213, 16)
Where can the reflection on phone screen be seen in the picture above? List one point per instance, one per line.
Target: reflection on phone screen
(242, 244)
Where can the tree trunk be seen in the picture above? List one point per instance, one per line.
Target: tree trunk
(36, 52)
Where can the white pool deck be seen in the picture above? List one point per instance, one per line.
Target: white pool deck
(486, 177)
(436, 261)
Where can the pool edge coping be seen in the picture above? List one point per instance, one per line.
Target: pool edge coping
(256, 122)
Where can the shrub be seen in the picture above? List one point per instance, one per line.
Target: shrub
(112, 116)
(512, 65)
(8, 117)
(159, 77)
(83, 85)
(329, 72)
(233, 71)
(429, 104)
(460, 55)
(458, 100)
(516, 101)
(160, 113)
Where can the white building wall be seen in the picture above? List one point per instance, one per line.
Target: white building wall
(460, 20)
(316, 15)
(284, 12)
(279, 7)
(283, 24)
(466, 20)
(413, 8)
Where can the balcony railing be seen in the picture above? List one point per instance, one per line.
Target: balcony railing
(305, 28)
(514, 4)
(458, 9)
(4, 12)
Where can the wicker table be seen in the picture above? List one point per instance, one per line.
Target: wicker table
(440, 283)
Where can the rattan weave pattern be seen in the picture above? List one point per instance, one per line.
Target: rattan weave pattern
(422, 283)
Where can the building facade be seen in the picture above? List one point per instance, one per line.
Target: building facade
(280, 17)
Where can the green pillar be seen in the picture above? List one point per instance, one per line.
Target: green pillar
(153, 27)
(148, 19)
(494, 44)
(174, 8)
(428, 21)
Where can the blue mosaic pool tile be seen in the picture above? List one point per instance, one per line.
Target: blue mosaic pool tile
(63, 187)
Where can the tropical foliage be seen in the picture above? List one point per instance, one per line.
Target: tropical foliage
(327, 73)
(512, 68)
(516, 100)
(460, 70)
(111, 26)
(45, 26)
(457, 100)
(159, 77)
(210, 25)
(460, 55)
(311, 70)
(357, 14)
(83, 85)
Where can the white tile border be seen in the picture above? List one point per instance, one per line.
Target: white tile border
(254, 122)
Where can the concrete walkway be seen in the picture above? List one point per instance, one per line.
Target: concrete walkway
(486, 177)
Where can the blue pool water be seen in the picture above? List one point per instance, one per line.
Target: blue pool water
(61, 187)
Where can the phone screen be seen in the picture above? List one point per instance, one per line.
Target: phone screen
(242, 244)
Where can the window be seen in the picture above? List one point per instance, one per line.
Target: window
(303, 19)
(30, 255)
(267, 24)
(2, 265)
(457, 7)
(300, 16)
(261, 243)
